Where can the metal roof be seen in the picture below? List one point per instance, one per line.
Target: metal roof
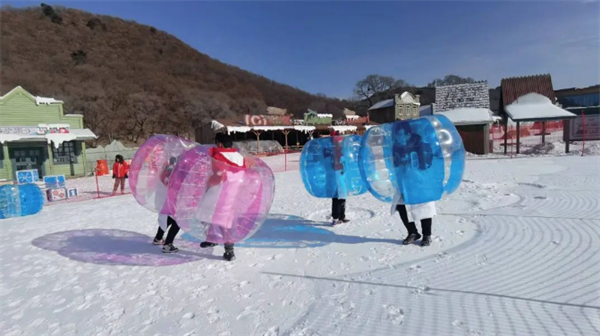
(382, 104)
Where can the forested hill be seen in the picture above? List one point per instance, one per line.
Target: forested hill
(129, 79)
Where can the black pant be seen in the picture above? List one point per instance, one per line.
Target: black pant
(410, 226)
(173, 231)
(338, 208)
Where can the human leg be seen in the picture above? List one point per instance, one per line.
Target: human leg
(413, 233)
(426, 228)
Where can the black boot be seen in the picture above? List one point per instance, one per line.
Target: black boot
(411, 238)
(426, 241)
(207, 244)
(229, 256)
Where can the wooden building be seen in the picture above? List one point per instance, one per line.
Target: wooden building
(401, 107)
(530, 99)
(36, 133)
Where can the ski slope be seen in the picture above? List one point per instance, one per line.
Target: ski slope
(515, 252)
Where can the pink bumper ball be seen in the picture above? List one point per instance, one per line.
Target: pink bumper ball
(151, 169)
(210, 199)
(218, 202)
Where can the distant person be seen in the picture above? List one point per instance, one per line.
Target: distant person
(338, 203)
(224, 152)
(120, 171)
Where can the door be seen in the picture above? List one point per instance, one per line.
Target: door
(26, 158)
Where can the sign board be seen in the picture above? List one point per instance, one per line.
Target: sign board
(267, 120)
(592, 127)
(313, 118)
(354, 121)
(41, 129)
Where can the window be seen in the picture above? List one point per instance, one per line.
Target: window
(66, 153)
(584, 100)
(1, 157)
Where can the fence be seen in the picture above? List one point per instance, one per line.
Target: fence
(96, 187)
(108, 153)
(535, 139)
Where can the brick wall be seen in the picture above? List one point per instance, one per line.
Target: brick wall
(462, 95)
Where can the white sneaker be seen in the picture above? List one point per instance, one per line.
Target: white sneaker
(169, 249)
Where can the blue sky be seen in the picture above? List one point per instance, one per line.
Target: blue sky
(325, 47)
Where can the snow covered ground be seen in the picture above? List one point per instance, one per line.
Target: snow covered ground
(515, 252)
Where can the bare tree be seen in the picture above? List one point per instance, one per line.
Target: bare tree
(451, 80)
(141, 117)
(374, 85)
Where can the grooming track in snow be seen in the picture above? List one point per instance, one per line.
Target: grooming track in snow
(515, 252)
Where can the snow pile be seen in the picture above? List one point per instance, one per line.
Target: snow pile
(215, 125)
(46, 101)
(343, 129)
(407, 98)
(304, 129)
(534, 106)
(469, 116)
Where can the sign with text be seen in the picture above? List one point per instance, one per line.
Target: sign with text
(589, 123)
(267, 120)
(41, 129)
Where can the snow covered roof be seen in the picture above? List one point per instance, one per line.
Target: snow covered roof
(304, 129)
(349, 112)
(83, 134)
(46, 101)
(324, 115)
(533, 107)
(272, 110)
(408, 98)
(343, 128)
(469, 116)
(352, 117)
(56, 138)
(382, 104)
(11, 91)
(216, 125)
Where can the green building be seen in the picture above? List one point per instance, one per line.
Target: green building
(35, 133)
